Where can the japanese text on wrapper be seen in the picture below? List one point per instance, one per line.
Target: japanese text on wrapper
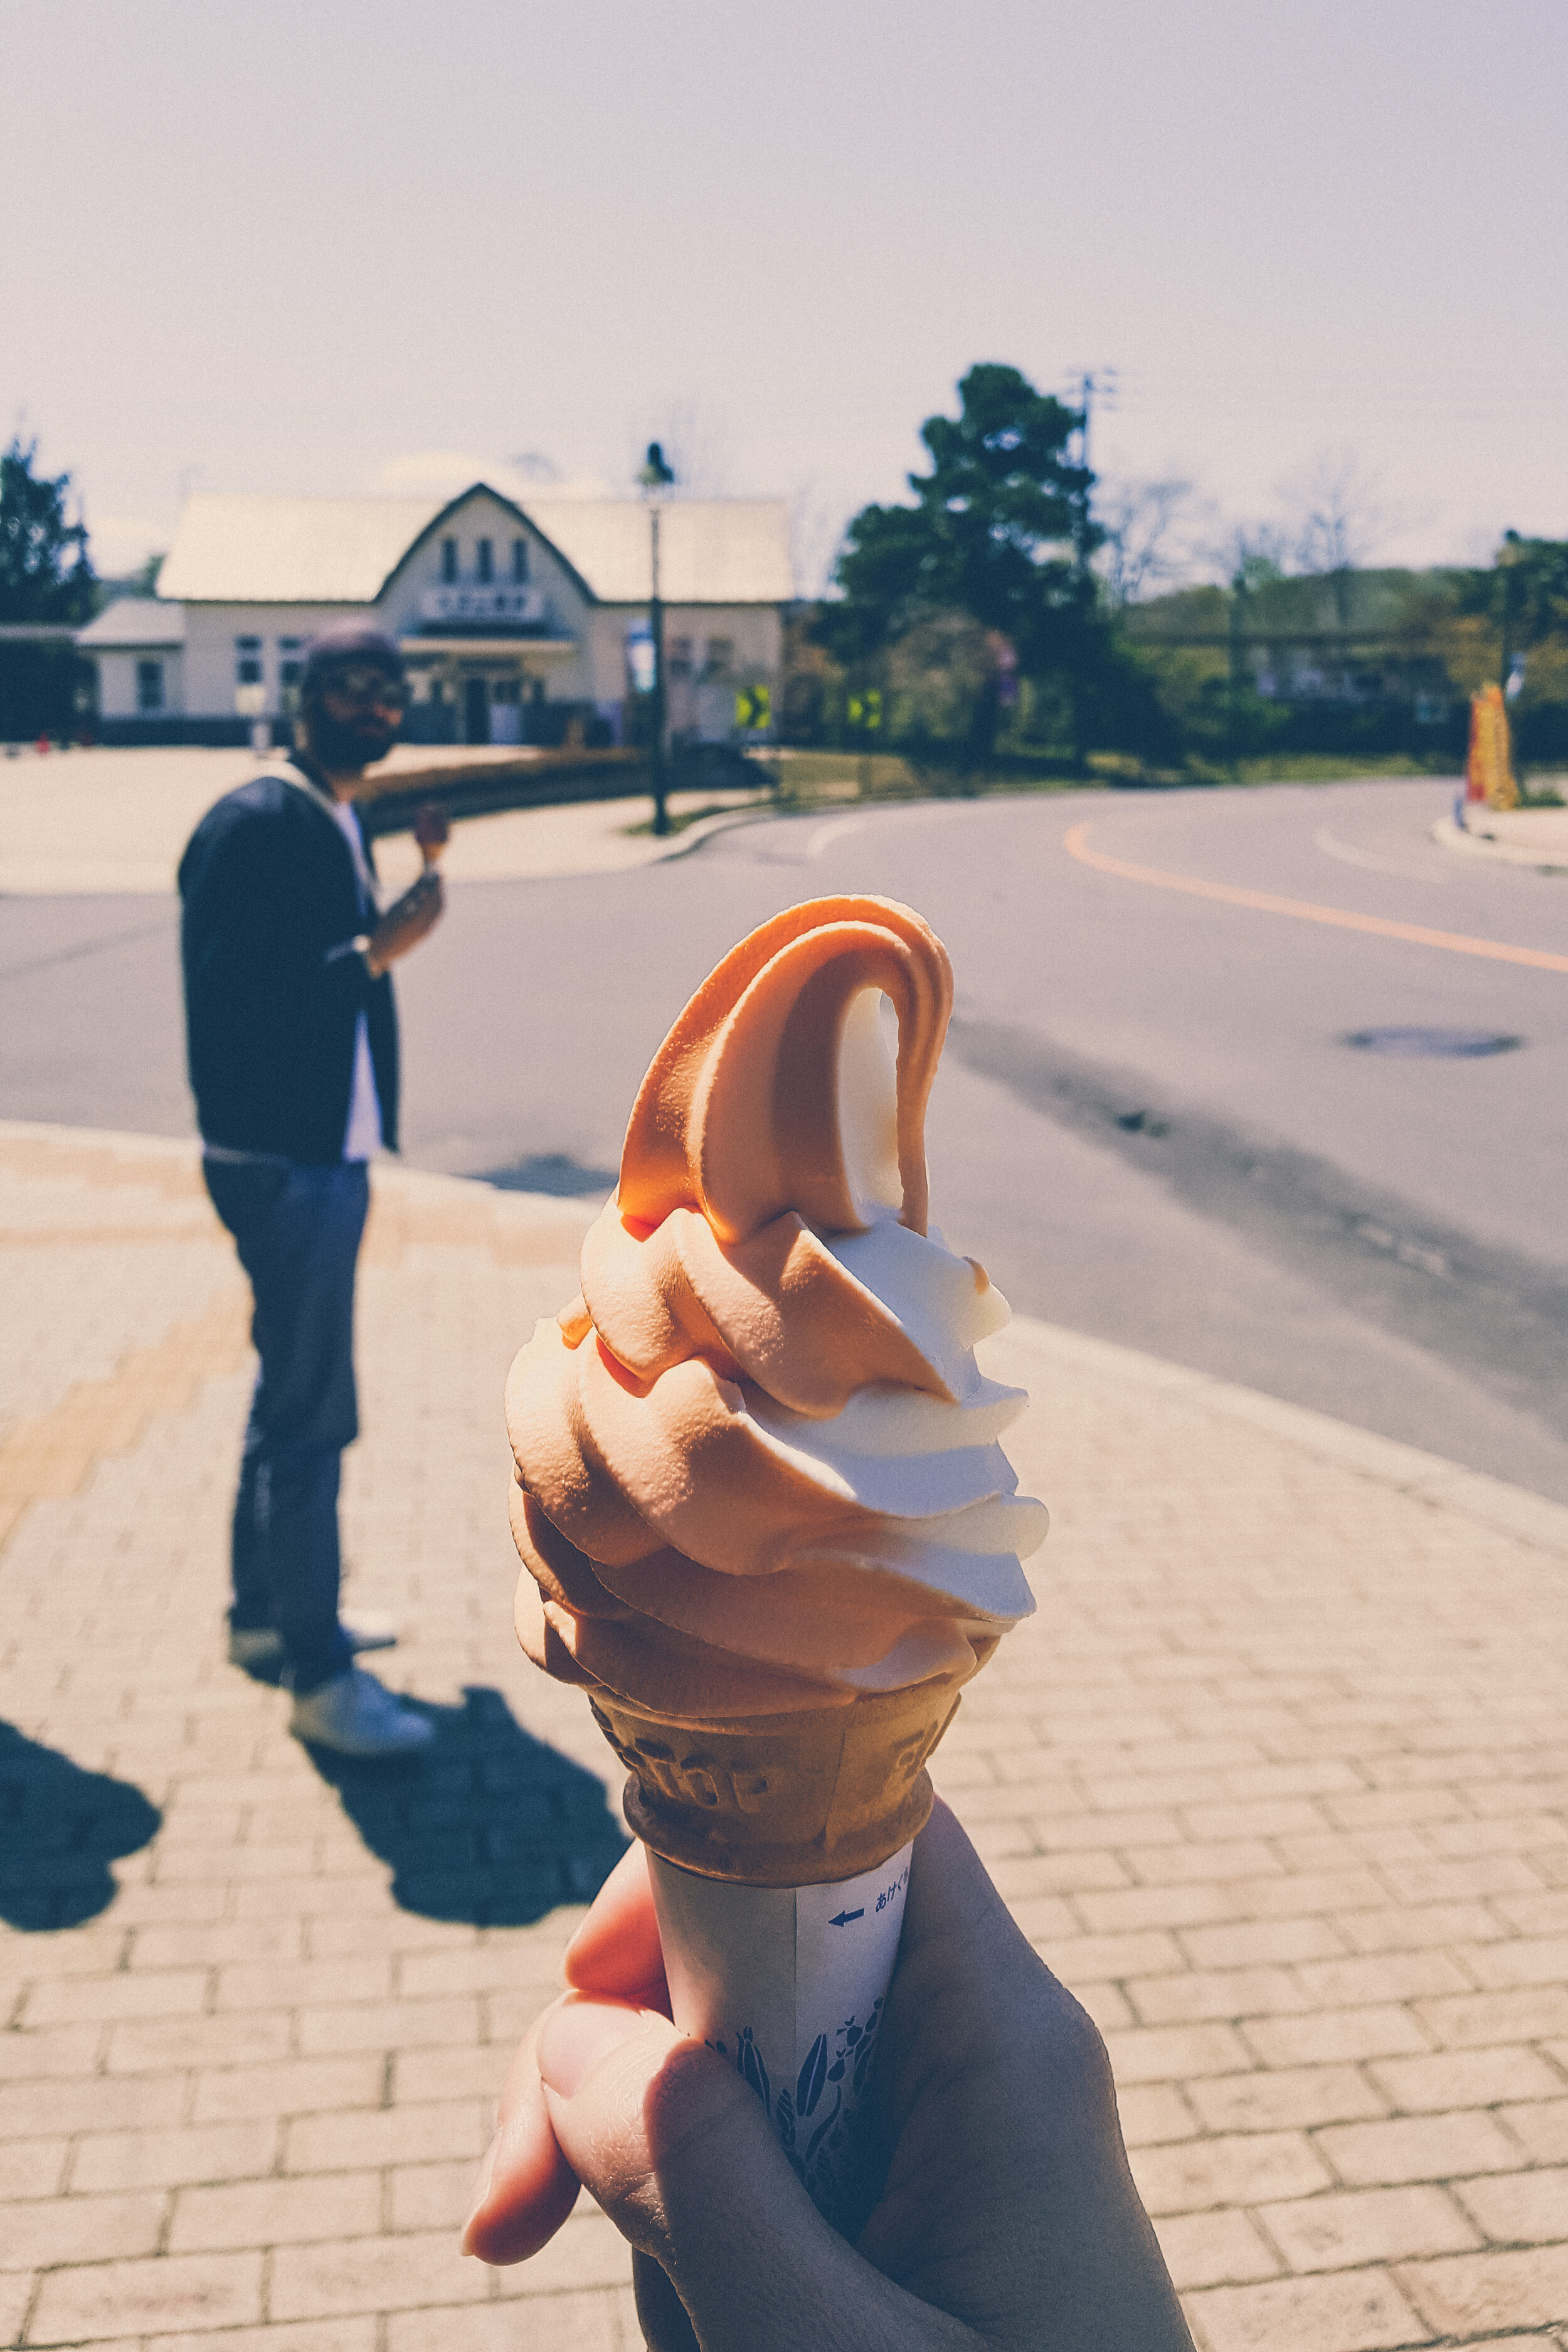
(891, 1894)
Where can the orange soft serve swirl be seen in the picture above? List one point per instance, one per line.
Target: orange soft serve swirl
(758, 1469)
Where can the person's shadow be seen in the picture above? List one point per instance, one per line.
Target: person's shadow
(487, 1823)
(60, 1828)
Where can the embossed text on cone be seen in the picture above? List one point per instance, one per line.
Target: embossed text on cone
(782, 1801)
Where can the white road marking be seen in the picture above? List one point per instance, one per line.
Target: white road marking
(821, 835)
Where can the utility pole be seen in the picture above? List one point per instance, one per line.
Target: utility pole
(656, 475)
(1237, 633)
(1091, 382)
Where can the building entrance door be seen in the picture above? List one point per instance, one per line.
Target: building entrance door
(476, 710)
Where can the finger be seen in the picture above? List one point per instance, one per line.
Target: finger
(679, 2152)
(661, 2315)
(525, 2188)
(949, 1886)
(997, 2091)
(617, 1948)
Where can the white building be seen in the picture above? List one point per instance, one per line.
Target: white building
(138, 647)
(516, 625)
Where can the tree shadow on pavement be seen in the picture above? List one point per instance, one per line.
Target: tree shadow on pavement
(487, 1824)
(60, 1828)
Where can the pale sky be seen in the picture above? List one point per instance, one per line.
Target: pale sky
(324, 246)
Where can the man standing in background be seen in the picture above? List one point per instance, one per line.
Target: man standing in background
(292, 1040)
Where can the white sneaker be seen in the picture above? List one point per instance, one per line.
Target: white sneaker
(353, 1714)
(258, 1649)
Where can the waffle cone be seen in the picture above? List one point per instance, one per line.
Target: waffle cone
(782, 1800)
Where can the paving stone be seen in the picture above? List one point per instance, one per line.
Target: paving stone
(1359, 2311)
(373, 2274)
(1366, 2226)
(32, 2168)
(1213, 2249)
(402, 2134)
(1248, 2169)
(1465, 2078)
(36, 2235)
(109, 2160)
(173, 2292)
(1542, 2129)
(1470, 2293)
(1419, 2147)
(1285, 2099)
(293, 2087)
(305, 2336)
(133, 2103)
(593, 2322)
(1519, 2207)
(1528, 2012)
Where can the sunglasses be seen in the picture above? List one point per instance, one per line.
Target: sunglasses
(366, 686)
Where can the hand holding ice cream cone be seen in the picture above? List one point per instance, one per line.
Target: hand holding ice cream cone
(1007, 2208)
(432, 829)
(764, 1515)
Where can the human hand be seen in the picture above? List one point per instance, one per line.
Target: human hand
(1005, 2218)
(406, 922)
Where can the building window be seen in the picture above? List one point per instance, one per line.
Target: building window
(721, 657)
(248, 661)
(448, 559)
(519, 561)
(679, 662)
(486, 552)
(148, 686)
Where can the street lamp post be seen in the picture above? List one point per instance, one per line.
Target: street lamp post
(656, 475)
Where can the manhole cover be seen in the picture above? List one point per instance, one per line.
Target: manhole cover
(1452, 1044)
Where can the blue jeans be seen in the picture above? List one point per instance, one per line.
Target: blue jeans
(298, 1233)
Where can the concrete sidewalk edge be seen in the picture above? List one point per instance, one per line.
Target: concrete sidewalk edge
(1429, 1478)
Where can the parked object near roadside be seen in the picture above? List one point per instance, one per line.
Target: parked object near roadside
(1488, 770)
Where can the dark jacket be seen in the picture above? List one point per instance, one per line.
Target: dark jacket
(273, 988)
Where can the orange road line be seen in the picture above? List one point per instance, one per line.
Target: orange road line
(1075, 843)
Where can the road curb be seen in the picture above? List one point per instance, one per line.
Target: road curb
(1449, 836)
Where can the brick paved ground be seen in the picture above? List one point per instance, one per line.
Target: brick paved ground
(1275, 1781)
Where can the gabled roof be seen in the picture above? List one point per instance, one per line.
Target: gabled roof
(273, 551)
(134, 621)
(260, 551)
(711, 550)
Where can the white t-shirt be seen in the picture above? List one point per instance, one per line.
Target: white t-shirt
(362, 1137)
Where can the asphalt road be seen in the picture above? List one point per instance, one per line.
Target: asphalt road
(1150, 1123)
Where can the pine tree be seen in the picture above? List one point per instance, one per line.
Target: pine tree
(46, 573)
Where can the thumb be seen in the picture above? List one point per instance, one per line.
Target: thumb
(676, 2149)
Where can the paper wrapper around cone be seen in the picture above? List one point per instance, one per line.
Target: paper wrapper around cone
(782, 1800)
(788, 1985)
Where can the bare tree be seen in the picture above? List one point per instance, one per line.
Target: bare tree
(1139, 519)
(816, 537)
(1242, 554)
(1337, 520)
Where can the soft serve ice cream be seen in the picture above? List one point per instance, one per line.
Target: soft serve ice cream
(762, 1498)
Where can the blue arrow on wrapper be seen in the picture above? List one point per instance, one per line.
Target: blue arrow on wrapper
(844, 1917)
